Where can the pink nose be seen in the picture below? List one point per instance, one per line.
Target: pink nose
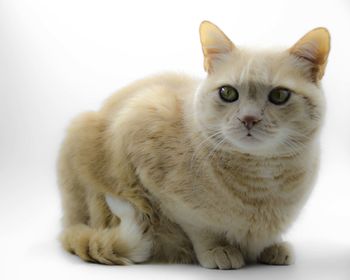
(250, 121)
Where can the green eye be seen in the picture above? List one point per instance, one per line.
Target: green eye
(228, 93)
(279, 95)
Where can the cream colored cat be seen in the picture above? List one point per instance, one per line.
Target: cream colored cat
(175, 169)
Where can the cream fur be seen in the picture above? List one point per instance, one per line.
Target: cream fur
(140, 244)
(164, 171)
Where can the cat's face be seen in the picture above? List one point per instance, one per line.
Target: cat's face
(262, 103)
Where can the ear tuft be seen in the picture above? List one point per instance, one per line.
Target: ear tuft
(314, 47)
(214, 44)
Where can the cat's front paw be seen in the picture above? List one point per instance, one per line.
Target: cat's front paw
(277, 254)
(226, 257)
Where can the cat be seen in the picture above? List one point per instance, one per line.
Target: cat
(174, 169)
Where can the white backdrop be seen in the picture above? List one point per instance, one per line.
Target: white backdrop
(58, 58)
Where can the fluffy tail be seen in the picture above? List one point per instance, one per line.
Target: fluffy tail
(124, 244)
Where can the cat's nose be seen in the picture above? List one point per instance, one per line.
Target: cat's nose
(249, 121)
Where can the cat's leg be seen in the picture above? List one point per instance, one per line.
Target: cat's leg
(73, 194)
(213, 251)
(277, 254)
(124, 243)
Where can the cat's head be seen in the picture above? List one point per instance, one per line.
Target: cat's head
(261, 102)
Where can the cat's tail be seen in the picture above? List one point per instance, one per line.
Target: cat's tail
(124, 244)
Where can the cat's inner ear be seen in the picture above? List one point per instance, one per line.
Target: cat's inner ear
(215, 44)
(314, 47)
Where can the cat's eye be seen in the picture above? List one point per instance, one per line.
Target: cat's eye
(279, 95)
(228, 93)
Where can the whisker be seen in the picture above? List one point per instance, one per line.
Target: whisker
(210, 154)
(201, 146)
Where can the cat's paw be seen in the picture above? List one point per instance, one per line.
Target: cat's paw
(226, 257)
(277, 254)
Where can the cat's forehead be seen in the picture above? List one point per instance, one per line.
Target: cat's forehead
(253, 88)
(259, 71)
(257, 68)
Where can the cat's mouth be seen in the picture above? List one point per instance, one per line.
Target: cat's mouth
(245, 139)
(249, 134)
(249, 137)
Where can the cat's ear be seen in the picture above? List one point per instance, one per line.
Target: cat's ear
(215, 44)
(314, 47)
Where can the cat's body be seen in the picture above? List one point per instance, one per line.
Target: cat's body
(152, 176)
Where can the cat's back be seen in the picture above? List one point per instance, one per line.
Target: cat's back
(137, 114)
(143, 108)
(155, 91)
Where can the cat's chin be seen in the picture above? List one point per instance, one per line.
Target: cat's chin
(249, 144)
